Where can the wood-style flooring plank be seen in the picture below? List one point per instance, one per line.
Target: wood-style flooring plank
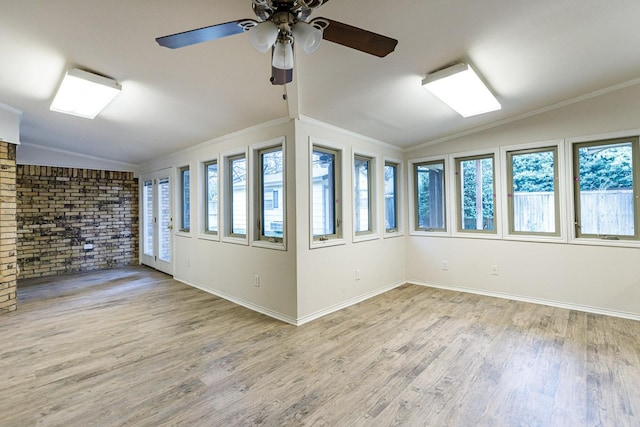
(133, 347)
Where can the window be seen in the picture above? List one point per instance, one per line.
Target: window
(605, 189)
(271, 182)
(185, 202)
(429, 184)
(211, 197)
(237, 195)
(476, 194)
(532, 192)
(325, 199)
(390, 197)
(362, 194)
(149, 219)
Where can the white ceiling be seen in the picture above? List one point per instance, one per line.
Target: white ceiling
(533, 54)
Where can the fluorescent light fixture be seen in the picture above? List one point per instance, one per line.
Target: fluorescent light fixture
(460, 88)
(84, 94)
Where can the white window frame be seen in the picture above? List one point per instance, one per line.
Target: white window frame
(372, 232)
(570, 142)
(455, 204)
(399, 230)
(259, 240)
(180, 199)
(560, 188)
(204, 233)
(226, 199)
(340, 190)
(412, 196)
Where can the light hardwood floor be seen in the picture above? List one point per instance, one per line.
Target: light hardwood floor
(134, 347)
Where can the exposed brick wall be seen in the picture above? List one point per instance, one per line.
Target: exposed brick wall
(7, 227)
(62, 211)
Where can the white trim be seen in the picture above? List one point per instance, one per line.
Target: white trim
(497, 195)
(532, 113)
(131, 166)
(255, 149)
(532, 300)
(242, 303)
(352, 301)
(400, 198)
(411, 199)
(374, 161)
(560, 183)
(229, 136)
(340, 233)
(202, 199)
(311, 121)
(223, 197)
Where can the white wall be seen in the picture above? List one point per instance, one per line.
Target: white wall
(299, 284)
(10, 124)
(595, 278)
(326, 276)
(228, 269)
(31, 154)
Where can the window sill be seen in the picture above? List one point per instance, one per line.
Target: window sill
(316, 244)
(183, 234)
(236, 240)
(430, 233)
(211, 237)
(279, 246)
(605, 242)
(393, 234)
(365, 237)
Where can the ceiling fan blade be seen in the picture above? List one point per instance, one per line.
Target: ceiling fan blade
(200, 35)
(357, 38)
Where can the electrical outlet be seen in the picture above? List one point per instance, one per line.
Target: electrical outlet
(256, 280)
(445, 265)
(357, 274)
(494, 270)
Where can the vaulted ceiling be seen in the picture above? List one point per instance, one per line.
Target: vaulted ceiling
(533, 54)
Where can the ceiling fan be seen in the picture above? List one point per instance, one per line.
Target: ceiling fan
(281, 22)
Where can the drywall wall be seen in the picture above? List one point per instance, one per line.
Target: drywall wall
(297, 284)
(326, 276)
(31, 154)
(596, 278)
(10, 124)
(228, 269)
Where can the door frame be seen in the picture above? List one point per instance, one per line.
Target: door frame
(154, 260)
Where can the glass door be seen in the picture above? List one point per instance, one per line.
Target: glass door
(157, 221)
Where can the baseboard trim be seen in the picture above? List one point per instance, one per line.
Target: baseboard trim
(241, 302)
(287, 319)
(540, 301)
(353, 301)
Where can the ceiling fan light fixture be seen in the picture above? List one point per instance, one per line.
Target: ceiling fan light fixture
(461, 89)
(307, 36)
(263, 36)
(84, 94)
(283, 55)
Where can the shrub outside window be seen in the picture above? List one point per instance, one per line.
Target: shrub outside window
(605, 189)
(476, 194)
(532, 193)
(429, 184)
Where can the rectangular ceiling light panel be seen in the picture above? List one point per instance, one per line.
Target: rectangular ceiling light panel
(84, 94)
(461, 89)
